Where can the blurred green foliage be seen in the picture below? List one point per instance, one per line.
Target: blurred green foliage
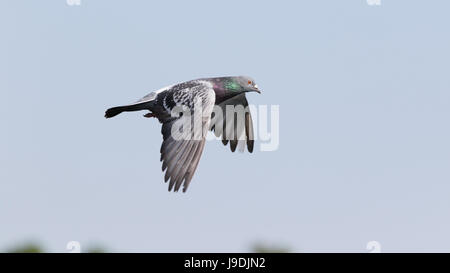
(35, 247)
(30, 247)
(269, 248)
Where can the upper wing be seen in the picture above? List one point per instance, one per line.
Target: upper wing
(183, 139)
(235, 127)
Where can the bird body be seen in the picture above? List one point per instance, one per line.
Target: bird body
(183, 144)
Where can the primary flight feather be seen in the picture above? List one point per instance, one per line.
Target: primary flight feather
(182, 147)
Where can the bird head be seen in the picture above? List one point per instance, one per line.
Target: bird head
(248, 84)
(240, 84)
(228, 87)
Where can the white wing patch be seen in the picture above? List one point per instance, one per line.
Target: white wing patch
(152, 95)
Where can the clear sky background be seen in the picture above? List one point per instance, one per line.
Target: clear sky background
(364, 96)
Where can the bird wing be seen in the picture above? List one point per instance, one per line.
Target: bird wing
(183, 139)
(235, 127)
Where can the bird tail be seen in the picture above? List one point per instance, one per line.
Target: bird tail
(112, 112)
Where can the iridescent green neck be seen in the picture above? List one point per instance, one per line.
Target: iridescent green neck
(225, 88)
(231, 85)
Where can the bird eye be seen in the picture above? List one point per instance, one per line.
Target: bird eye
(250, 82)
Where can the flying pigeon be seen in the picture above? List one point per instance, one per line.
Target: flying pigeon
(183, 145)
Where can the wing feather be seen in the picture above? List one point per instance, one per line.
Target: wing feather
(193, 164)
(234, 128)
(180, 155)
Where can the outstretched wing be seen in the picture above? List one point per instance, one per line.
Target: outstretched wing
(235, 127)
(184, 135)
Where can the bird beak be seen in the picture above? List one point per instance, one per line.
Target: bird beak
(255, 89)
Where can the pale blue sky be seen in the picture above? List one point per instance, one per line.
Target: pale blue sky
(364, 95)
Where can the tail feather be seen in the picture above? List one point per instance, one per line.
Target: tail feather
(112, 112)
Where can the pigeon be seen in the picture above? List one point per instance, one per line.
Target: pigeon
(183, 145)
